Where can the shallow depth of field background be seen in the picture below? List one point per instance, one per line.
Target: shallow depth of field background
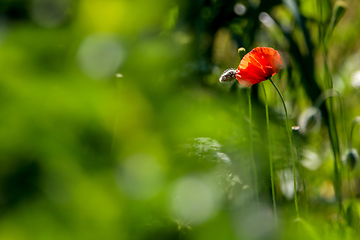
(113, 124)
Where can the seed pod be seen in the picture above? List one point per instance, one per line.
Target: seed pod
(309, 120)
(352, 215)
(339, 11)
(351, 158)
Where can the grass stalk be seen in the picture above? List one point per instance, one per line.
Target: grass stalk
(333, 134)
(335, 142)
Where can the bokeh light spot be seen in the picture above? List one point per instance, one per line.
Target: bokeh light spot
(286, 179)
(140, 176)
(266, 19)
(254, 222)
(310, 158)
(355, 79)
(194, 200)
(240, 9)
(100, 56)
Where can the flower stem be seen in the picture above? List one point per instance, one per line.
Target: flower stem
(270, 155)
(333, 134)
(296, 137)
(353, 124)
(291, 147)
(252, 148)
(336, 150)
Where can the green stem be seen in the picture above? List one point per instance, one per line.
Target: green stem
(295, 131)
(334, 138)
(270, 156)
(291, 147)
(331, 93)
(335, 146)
(351, 193)
(252, 148)
(353, 124)
(333, 135)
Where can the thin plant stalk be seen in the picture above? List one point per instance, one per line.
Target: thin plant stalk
(335, 145)
(270, 156)
(351, 193)
(291, 147)
(353, 124)
(295, 131)
(333, 134)
(331, 93)
(252, 148)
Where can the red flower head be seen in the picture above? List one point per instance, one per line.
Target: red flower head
(258, 65)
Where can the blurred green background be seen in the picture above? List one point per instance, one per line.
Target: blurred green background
(114, 124)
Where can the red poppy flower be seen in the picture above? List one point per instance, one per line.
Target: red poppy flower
(258, 65)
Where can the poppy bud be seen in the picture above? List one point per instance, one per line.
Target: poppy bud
(339, 11)
(228, 75)
(309, 120)
(351, 158)
(241, 52)
(352, 215)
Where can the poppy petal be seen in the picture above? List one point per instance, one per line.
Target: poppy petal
(258, 65)
(245, 82)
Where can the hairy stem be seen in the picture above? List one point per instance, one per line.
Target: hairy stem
(291, 147)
